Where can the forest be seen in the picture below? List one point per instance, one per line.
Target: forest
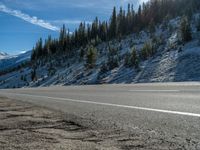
(121, 23)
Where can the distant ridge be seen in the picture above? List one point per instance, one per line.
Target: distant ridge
(3, 55)
(10, 61)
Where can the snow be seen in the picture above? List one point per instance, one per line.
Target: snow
(3, 55)
(172, 62)
(9, 61)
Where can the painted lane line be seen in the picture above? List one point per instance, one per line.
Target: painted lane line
(154, 91)
(113, 105)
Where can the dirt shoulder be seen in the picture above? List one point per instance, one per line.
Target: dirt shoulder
(26, 126)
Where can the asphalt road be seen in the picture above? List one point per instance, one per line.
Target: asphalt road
(167, 111)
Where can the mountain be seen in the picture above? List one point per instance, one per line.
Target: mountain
(3, 55)
(12, 61)
(171, 61)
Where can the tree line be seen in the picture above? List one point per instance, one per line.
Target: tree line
(121, 23)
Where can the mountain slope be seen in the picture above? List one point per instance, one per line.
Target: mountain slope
(9, 62)
(172, 62)
(3, 55)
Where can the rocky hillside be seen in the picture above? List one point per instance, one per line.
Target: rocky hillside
(170, 61)
(12, 61)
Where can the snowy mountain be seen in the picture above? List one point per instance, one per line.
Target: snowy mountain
(11, 61)
(3, 55)
(172, 62)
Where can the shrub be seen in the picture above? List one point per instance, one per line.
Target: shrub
(132, 59)
(147, 51)
(91, 57)
(104, 68)
(113, 58)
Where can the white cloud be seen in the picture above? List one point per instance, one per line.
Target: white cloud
(65, 21)
(31, 19)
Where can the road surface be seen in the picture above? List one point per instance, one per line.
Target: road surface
(166, 113)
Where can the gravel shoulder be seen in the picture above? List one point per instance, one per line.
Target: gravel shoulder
(26, 126)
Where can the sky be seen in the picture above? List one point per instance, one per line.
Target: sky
(23, 22)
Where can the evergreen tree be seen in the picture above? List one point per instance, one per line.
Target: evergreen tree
(113, 24)
(91, 57)
(104, 68)
(147, 50)
(185, 30)
(198, 24)
(39, 47)
(82, 53)
(120, 20)
(62, 38)
(134, 58)
(33, 75)
(152, 26)
(103, 31)
(139, 18)
(33, 55)
(113, 58)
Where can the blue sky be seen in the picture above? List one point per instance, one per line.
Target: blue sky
(23, 22)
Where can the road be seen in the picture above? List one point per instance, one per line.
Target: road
(168, 112)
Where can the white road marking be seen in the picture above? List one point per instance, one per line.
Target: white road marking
(110, 104)
(154, 90)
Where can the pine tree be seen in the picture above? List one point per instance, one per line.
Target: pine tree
(120, 23)
(103, 31)
(132, 23)
(33, 55)
(33, 75)
(91, 57)
(185, 30)
(95, 28)
(62, 38)
(147, 50)
(139, 18)
(134, 58)
(152, 26)
(113, 24)
(198, 24)
(38, 50)
(113, 58)
(82, 53)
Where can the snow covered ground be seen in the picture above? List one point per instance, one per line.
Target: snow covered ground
(173, 62)
(11, 61)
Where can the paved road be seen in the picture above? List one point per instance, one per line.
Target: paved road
(164, 111)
